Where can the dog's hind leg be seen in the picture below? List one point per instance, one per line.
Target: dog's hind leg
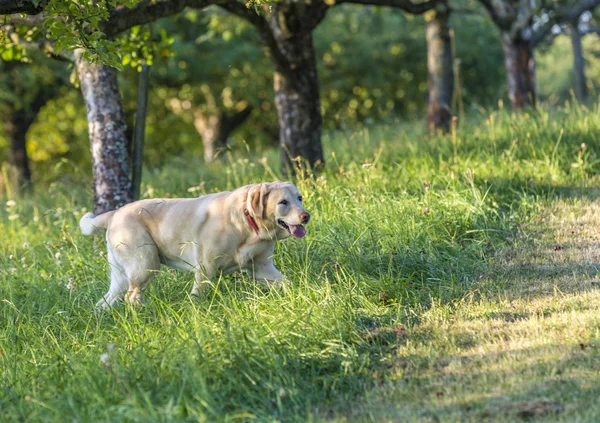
(118, 283)
(140, 270)
(136, 255)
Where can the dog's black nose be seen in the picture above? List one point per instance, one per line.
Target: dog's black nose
(304, 217)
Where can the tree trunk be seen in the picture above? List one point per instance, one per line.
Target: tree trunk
(140, 131)
(578, 63)
(296, 89)
(216, 128)
(440, 72)
(106, 125)
(209, 128)
(520, 71)
(16, 125)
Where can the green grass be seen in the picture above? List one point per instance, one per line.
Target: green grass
(439, 281)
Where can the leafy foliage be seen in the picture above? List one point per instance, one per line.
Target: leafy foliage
(70, 25)
(141, 45)
(371, 68)
(22, 84)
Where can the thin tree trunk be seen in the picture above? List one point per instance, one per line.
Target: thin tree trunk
(140, 131)
(296, 90)
(16, 125)
(106, 125)
(209, 128)
(520, 71)
(578, 63)
(440, 70)
(216, 128)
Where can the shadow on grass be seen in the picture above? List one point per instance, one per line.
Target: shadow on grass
(564, 192)
(553, 382)
(511, 189)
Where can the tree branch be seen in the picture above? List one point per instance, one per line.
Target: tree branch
(146, 11)
(123, 18)
(463, 11)
(571, 13)
(591, 30)
(317, 13)
(406, 5)
(237, 118)
(541, 33)
(261, 26)
(562, 15)
(31, 7)
(502, 19)
(28, 20)
(523, 19)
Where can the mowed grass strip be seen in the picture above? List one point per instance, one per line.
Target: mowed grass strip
(523, 346)
(403, 287)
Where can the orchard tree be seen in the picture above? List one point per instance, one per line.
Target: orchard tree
(523, 24)
(218, 93)
(286, 29)
(26, 86)
(84, 33)
(440, 67)
(579, 25)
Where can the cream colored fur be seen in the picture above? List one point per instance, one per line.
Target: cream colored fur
(206, 235)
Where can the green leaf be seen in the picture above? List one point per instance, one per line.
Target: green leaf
(8, 54)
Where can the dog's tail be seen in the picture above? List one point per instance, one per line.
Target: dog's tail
(90, 224)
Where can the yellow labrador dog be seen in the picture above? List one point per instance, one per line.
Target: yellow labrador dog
(214, 233)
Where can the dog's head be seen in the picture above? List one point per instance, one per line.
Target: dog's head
(278, 205)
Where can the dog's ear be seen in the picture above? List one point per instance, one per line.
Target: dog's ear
(256, 199)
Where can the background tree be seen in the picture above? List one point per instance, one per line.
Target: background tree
(286, 29)
(578, 25)
(523, 25)
(371, 64)
(578, 62)
(27, 84)
(86, 29)
(218, 93)
(440, 67)
(107, 132)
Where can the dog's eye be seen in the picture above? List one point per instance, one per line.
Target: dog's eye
(300, 198)
(284, 202)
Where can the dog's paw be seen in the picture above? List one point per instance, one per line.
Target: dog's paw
(135, 297)
(278, 283)
(200, 290)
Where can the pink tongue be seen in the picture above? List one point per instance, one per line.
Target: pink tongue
(297, 230)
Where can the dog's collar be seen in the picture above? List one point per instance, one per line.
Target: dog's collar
(251, 221)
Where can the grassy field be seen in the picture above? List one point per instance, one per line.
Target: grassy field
(441, 280)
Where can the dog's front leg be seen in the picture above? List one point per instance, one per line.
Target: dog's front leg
(203, 281)
(268, 272)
